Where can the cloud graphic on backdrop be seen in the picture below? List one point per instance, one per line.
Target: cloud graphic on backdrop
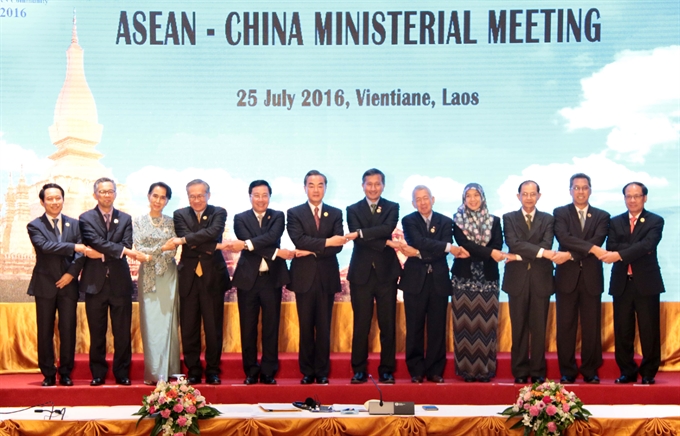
(444, 189)
(14, 157)
(637, 97)
(607, 178)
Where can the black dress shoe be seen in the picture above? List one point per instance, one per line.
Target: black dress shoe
(194, 380)
(359, 377)
(123, 381)
(483, 378)
(648, 380)
(49, 381)
(625, 379)
(65, 380)
(417, 379)
(267, 379)
(435, 378)
(322, 380)
(386, 377)
(250, 380)
(538, 379)
(307, 380)
(213, 379)
(469, 379)
(521, 380)
(594, 380)
(97, 381)
(567, 380)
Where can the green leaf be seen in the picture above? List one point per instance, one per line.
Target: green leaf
(158, 426)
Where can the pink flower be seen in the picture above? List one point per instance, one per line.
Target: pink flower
(551, 410)
(178, 408)
(526, 406)
(179, 433)
(152, 409)
(565, 407)
(534, 411)
(540, 405)
(552, 427)
(547, 399)
(197, 392)
(165, 413)
(181, 421)
(191, 409)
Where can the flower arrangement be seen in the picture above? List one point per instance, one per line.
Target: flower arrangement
(177, 407)
(546, 409)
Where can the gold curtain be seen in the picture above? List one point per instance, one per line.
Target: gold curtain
(368, 426)
(18, 350)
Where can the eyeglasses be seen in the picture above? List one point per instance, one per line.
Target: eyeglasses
(529, 194)
(109, 192)
(580, 188)
(196, 197)
(633, 197)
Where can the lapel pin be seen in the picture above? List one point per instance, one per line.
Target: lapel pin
(432, 230)
(642, 220)
(205, 217)
(378, 210)
(67, 224)
(325, 214)
(269, 217)
(589, 215)
(115, 221)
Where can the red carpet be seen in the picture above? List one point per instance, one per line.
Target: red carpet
(26, 390)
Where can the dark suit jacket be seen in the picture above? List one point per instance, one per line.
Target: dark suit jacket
(201, 239)
(578, 242)
(371, 250)
(265, 240)
(431, 242)
(53, 259)
(110, 244)
(637, 250)
(462, 267)
(520, 240)
(302, 231)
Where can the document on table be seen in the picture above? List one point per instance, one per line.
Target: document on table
(278, 407)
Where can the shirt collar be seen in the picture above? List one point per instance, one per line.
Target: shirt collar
(426, 218)
(311, 207)
(58, 217)
(532, 214)
(585, 209)
(370, 203)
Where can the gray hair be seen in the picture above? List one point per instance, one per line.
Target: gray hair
(103, 180)
(199, 182)
(420, 188)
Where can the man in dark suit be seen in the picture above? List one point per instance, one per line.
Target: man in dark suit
(106, 282)
(203, 281)
(373, 273)
(260, 273)
(580, 229)
(316, 230)
(426, 284)
(54, 283)
(528, 281)
(635, 285)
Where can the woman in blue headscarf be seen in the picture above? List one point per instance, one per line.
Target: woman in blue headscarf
(475, 287)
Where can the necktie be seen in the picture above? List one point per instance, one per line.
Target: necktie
(528, 216)
(582, 218)
(427, 224)
(56, 228)
(317, 218)
(107, 220)
(259, 219)
(198, 217)
(632, 227)
(373, 208)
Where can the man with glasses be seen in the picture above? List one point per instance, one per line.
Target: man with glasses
(580, 229)
(260, 274)
(203, 281)
(528, 281)
(635, 285)
(106, 282)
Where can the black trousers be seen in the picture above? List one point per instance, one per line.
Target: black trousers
(385, 297)
(315, 311)
(207, 305)
(627, 307)
(266, 297)
(97, 308)
(572, 307)
(45, 311)
(429, 308)
(528, 319)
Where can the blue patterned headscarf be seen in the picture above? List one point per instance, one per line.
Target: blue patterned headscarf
(475, 224)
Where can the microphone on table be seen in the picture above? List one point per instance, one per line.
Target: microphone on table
(390, 407)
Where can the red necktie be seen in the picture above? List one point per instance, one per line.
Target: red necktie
(317, 219)
(632, 227)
